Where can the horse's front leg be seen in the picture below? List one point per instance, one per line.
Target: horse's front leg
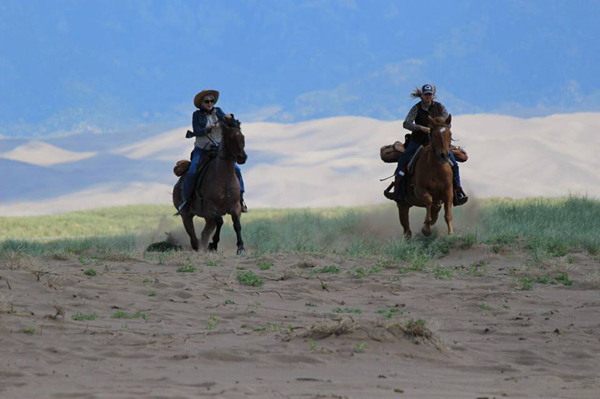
(217, 236)
(237, 226)
(206, 232)
(188, 223)
(435, 211)
(448, 212)
(428, 200)
(403, 209)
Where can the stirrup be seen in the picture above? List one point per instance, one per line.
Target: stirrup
(388, 193)
(244, 206)
(181, 209)
(460, 198)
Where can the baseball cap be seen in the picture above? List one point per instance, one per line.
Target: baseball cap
(427, 88)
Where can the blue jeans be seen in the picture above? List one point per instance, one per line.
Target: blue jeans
(188, 181)
(410, 151)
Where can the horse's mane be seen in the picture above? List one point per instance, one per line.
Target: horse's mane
(439, 121)
(232, 123)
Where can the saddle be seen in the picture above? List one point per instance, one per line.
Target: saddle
(182, 166)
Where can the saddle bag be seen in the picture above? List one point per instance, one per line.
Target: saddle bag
(459, 153)
(181, 167)
(391, 153)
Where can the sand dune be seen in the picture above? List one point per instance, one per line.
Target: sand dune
(338, 158)
(44, 154)
(335, 161)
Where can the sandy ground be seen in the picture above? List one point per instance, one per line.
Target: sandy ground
(204, 334)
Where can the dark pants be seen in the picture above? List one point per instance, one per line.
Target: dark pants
(410, 151)
(188, 181)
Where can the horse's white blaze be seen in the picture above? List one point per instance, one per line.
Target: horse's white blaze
(442, 130)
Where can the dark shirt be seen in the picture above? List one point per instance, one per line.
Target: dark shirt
(419, 116)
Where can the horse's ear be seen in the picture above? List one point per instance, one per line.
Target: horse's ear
(449, 120)
(431, 120)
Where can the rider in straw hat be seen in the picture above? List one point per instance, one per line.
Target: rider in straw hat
(417, 121)
(207, 130)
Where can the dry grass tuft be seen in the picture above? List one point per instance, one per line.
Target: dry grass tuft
(59, 312)
(592, 281)
(60, 256)
(19, 261)
(414, 330)
(6, 304)
(39, 271)
(55, 282)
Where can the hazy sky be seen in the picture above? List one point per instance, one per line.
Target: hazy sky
(103, 65)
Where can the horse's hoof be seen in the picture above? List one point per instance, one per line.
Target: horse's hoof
(241, 251)
(212, 248)
(426, 232)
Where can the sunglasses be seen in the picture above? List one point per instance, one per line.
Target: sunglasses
(209, 101)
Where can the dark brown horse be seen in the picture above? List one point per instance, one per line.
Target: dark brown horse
(218, 194)
(432, 180)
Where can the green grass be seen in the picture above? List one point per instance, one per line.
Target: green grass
(389, 313)
(563, 278)
(347, 310)
(119, 314)
(548, 227)
(525, 283)
(90, 272)
(29, 331)
(476, 269)
(327, 269)
(83, 316)
(265, 264)
(249, 278)
(439, 273)
(186, 269)
(361, 346)
(212, 323)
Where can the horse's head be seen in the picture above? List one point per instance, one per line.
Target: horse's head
(441, 136)
(234, 141)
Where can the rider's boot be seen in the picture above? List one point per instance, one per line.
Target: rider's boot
(395, 195)
(186, 189)
(460, 198)
(243, 203)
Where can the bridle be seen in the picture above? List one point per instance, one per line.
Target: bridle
(224, 152)
(440, 155)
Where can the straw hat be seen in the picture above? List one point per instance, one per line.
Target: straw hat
(200, 96)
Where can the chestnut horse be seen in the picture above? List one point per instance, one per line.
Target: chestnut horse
(432, 180)
(218, 194)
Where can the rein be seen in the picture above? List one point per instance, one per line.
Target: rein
(224, 152)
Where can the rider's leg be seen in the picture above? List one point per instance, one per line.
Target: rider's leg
(238, 173)
(460, 197)
(399, 172)
(188, 180)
